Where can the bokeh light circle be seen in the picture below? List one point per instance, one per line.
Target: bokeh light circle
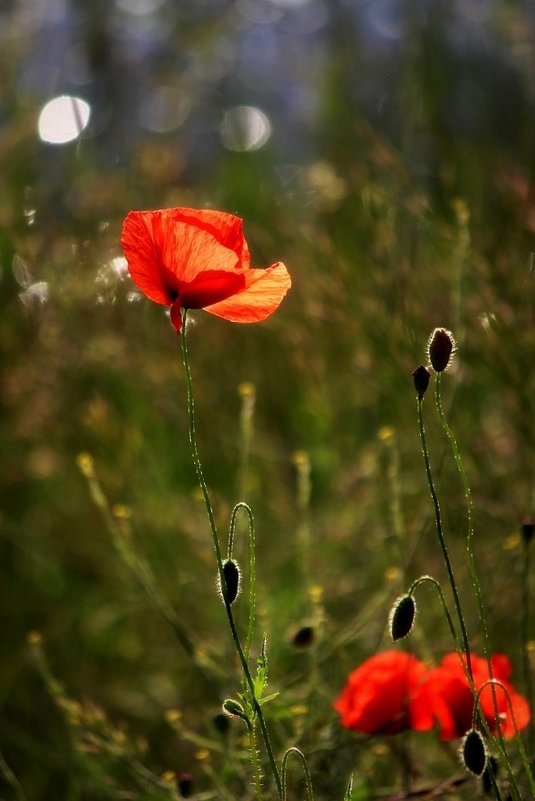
(245, 128)
(63, 119)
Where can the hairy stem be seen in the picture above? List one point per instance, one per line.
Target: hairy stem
(217, 548)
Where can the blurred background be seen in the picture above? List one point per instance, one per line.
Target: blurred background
(385, 152)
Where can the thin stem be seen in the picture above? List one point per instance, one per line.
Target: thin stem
(248, 395)
(11, 779)
(252, 566)
(425, 579)
(254, 759)
(217, 548)
(523, 755)
(308, 780)
(528, 681)
(472, 567)
(442, 541)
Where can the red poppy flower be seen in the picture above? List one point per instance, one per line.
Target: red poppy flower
(383, 695)
(452, 702)
(199, 259)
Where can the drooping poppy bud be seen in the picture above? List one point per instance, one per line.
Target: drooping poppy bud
(421, 376)
(474, 752)
(232, 576)
(440, 349)
(527, 530)
(401, 618)
(234, 709)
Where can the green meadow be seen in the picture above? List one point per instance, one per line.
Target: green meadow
(393, 219)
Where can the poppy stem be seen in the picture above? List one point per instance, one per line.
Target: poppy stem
(472, 568)
(252, 566)
(217, 548)
(526, 662)
(308, 780)
(424, 579)
(449, 568)
(441, 539)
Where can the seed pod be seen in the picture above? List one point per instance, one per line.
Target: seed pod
(232, 576)
(421, 376)
(401, 618)
(440, 349)
(474, 752)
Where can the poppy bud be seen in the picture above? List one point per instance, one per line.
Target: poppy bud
(221, 723)
(527, 529)
(185, 785)
(421, 376)
(303, 637)
(232, 576)
(401, 617)
(234, 709)
(440, 348)
(474, 752)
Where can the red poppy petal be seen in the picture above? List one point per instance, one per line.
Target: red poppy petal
(211, 286)
(501, 667)
(137, 240)
(262, 295)
(522, 715)
(187, 251)
(165, 249)
(225, 227)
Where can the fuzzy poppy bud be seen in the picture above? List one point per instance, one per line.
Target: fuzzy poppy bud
(474, 752)
(234, 709)
(527, 529)
(421, 376)
(401, 618)
(440, 349)
(232, 576)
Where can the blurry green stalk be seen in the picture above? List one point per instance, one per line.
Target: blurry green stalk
(217, 548)
(475, 579)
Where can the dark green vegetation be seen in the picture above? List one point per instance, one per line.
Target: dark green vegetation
(390, 225)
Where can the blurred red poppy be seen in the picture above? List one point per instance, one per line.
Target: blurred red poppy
(199, 259)
(452, 702)
(383, 695)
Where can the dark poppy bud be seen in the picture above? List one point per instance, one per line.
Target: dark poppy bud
(221, 723)
(440, 349)
(401, 617)
(303, 637)
(232, 576)
(474, 752)
(421, 376)
(527, 529)
(185, 785)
